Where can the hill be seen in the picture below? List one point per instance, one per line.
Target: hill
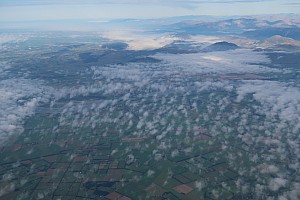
(221, 46)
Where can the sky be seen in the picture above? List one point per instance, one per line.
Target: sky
(23, 10)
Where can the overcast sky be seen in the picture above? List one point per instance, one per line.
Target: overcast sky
(103, 9)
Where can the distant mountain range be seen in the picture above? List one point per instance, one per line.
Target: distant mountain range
(279, 42)
(248, 27)
(264, 33)
(280, 32)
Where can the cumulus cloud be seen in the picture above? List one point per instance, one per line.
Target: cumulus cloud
(18, 99)
(277, 183)
(276, 98)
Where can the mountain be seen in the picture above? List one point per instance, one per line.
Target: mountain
(215, 27)
(265, 33)
(181, 47)
(221, 46)
(279, 42)
(233, 26)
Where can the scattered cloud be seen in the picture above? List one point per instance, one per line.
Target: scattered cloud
(277, 99)
(181, 94)
(18, 100)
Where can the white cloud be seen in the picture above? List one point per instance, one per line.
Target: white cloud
(205, 39)
(4, 39)
(18, 99)
(234, 61)
(276, 98)
(138, 41)
(277, 183)
(11, 38)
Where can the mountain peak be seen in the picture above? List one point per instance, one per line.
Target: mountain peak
(221, 46)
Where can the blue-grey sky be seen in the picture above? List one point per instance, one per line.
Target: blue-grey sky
(15, 10)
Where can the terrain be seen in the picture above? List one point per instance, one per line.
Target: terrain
(189, 108)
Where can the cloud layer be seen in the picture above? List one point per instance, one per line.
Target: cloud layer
(167, 2)
(18, 100)
(236, 61)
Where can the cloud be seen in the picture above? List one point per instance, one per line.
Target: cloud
(4, 39)
(137, 41)
(168, 103)
(11, 38)
(235, 61)
(164, 2)
(205, 39)
(277, 183)
(275, 97)
(18, 10)
(18, 99)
